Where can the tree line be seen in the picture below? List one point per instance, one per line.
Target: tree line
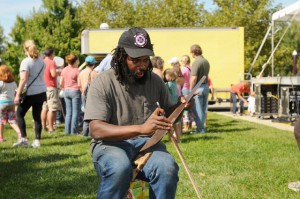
(59, 23)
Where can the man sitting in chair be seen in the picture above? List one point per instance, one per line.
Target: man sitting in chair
(123, 114)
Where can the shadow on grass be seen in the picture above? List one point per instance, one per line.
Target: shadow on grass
(186, 138)
(41, 176)
(230, 126)
(190, 138)
(67, 142)
(231, 130)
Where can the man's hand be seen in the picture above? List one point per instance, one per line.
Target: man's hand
(156, 121)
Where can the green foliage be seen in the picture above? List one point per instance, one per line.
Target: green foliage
(143, 13)
(118, 14)
(291, 41)
(254, 16)
(235, 159)
(2, 39)
(163, 13)
(55, 25)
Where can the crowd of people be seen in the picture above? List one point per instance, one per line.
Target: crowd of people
(60, 92)
(55, 93)
(124, 101)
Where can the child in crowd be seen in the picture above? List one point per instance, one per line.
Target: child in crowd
(169, 77)
(7, 95)
(251, 104)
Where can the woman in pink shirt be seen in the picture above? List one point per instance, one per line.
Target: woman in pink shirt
(72, 94)
(186, 73)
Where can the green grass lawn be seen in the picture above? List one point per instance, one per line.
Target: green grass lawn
(235, 159)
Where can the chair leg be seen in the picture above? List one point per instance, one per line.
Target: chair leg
(130, 193)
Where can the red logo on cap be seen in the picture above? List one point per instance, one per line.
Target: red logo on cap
(140, 40)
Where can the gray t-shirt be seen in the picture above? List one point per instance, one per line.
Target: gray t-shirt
(110, 101)
(7, 91)
(34, 67)
(200, 67)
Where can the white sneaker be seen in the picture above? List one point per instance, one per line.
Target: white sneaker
(294, 186)
(21, 142)
(36, 144)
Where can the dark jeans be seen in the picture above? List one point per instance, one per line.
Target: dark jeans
(85, 126)
(234, 102)
(36, 102)
(60, 114)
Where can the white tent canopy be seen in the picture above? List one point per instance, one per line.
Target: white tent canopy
(288, 13)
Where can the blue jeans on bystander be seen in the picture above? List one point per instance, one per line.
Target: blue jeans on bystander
(234, 102)
(200, 107)
(85, 126)
(72, 100)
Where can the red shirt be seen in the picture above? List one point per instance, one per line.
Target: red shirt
(209, 82)
(49, 80)
(239, 88)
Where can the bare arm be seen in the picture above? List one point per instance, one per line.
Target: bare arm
(193, 81)
(104, 131)
(212, 92)
(79, 83)
(53, 73)
(61, 82)
(23, 79)
(241, 97)
(94, 75)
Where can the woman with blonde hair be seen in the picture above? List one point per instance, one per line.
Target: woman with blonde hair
(32, 80)
(72, 94)
(169, 77)
(174, 61)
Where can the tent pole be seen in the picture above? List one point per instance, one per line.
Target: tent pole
(272, 75)
(259, 50)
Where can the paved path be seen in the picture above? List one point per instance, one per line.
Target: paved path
(267, 122)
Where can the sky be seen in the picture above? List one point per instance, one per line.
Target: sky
(9, 9)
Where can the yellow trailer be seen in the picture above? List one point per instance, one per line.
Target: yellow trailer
(222, 47)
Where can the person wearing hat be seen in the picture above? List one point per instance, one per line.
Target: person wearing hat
(85, 78)
(122, 110)
(52, 105)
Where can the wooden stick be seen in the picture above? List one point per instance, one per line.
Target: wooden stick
(140, 162)
(174, 141)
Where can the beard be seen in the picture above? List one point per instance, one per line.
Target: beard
(132, 77)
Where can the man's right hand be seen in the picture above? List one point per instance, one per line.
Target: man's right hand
(156, 121)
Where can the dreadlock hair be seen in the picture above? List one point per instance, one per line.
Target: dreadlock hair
(119, 64)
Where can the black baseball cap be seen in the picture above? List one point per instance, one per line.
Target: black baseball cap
(136, 42)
